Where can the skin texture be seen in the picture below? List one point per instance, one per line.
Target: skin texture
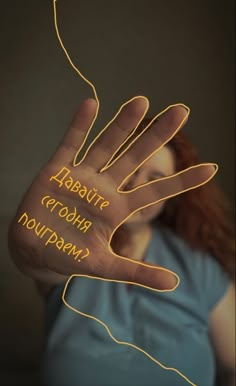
(161, 164)
(48, 266)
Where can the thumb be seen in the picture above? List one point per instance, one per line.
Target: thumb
(148, 275)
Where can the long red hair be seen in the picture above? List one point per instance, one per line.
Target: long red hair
(201, 216)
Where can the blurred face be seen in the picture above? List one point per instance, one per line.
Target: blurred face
(161, 164)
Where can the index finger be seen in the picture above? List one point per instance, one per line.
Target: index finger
(77, 133)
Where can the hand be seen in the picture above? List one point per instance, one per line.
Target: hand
(48, 229)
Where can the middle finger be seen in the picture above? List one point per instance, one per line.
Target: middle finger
(148, 142)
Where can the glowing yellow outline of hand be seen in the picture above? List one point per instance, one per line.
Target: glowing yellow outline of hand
(104, 168)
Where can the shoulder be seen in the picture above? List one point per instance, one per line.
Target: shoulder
(222, 329)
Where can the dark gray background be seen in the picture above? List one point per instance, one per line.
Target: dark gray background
(169, 51)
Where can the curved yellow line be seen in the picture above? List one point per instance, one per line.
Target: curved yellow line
(108, 164)
(109, 331)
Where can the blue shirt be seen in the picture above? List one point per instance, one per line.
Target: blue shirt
(170, 326)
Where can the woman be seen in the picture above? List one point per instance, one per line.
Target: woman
(189, 329)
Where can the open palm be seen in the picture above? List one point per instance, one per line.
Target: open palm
(67, 217)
